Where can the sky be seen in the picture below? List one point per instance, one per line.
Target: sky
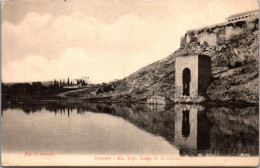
(104, 40)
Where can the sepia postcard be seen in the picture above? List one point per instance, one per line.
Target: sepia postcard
(130, 83)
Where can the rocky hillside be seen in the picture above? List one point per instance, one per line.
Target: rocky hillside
(234, 68)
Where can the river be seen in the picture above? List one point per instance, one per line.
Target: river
(135, 129)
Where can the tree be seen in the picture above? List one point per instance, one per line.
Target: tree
(54, 82)
(68, 83)
(83, 83)
(37, 86)
(5, 88)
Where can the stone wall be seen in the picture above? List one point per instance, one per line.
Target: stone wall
(190, 37)
(219, 34)
(181, 63)
(208, 39)
(233, 31)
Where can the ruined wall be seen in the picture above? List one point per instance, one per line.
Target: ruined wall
(219, 34)
(190, 37)
(181, 63)
(233, 31)
(204, 74)
(208, 39)
(183, 41)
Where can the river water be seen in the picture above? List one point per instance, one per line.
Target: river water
(138, 129)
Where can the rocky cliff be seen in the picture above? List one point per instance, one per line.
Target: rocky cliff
(234, 50)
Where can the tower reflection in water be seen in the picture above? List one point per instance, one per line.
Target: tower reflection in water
(192, 129)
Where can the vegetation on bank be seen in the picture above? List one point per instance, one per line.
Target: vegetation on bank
(31, 91)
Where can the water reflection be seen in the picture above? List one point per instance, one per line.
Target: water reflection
(193, 129)
(185, 123)
(76, 130)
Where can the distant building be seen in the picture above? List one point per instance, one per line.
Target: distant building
(69, 87)
(243, 16)
(85, 79)
(192, 75)
(74, 82)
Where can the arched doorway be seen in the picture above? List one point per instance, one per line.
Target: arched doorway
(186, 82)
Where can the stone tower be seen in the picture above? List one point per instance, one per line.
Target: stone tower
(192, 75)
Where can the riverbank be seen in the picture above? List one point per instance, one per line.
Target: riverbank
(237, 104)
